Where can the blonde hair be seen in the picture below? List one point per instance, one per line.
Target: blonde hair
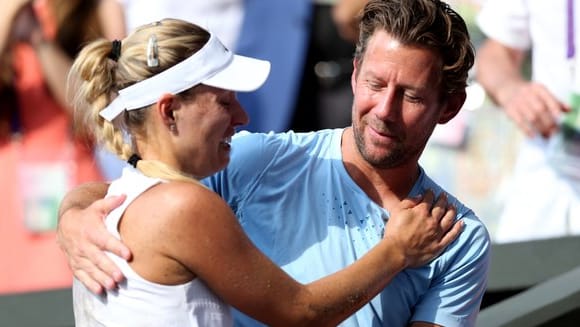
(95, 80)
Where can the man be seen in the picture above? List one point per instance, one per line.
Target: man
(546, 157)
(316, 202)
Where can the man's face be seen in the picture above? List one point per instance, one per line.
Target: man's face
(397, 101)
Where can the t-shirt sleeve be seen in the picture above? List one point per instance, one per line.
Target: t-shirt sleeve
(506, 22)
(460, 279)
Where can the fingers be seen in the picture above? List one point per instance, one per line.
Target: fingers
(89, 283)
(541, 115)
(428, 197)
(93, 277)
(452, 234)
(92, 266)
(444, 214)
(102, 263)
(425, 200)
(522, 124)
(448, 219)
(83, 237)
(440, 207)
(535, 110)
(409, 203)
(450, 228)
(422, 232)
(437, 209)
(108, 204)
(103, 269)
(104, 240)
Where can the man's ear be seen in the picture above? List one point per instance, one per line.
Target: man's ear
(165, 107)
(353, 76)
(452, 105)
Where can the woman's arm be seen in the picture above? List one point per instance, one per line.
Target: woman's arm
(206, 237)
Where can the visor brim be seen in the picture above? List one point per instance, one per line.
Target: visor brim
(243, 74)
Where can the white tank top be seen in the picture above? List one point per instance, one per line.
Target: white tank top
(139, 302)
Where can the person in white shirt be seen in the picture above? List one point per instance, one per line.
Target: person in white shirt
(544, 197)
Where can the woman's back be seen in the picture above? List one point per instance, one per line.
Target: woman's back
(139, 301)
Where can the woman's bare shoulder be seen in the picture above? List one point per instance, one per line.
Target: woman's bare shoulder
(182, 202)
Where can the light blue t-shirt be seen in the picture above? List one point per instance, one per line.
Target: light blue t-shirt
(296, 201)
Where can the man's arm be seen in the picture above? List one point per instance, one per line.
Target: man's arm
(7, 15)
(112, 18)
(82, 236)
(532, 107)
(345, 14)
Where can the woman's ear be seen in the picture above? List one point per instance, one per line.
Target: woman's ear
(165, 107)
(452, 104)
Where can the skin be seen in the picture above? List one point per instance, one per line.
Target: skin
(197, 146)
(194, 234)
(10, 8)
(112, 16)
(532, 107)
(54, 61)
(395, 109)
(345, 16)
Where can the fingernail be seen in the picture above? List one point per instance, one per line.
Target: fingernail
(117, 276)
(109, 284)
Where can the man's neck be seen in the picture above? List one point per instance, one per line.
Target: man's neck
(386, 186)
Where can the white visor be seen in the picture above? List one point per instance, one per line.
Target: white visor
(212, 65)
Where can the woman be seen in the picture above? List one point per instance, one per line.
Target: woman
(40, 157)
(172, 115)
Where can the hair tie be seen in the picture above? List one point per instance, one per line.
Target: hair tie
(115, 50)
(133, 159)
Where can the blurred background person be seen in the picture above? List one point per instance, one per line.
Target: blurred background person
(543, 200)
(273, 30)
(277, 31)
(40, 156)
(325, 97)
(222, 17)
